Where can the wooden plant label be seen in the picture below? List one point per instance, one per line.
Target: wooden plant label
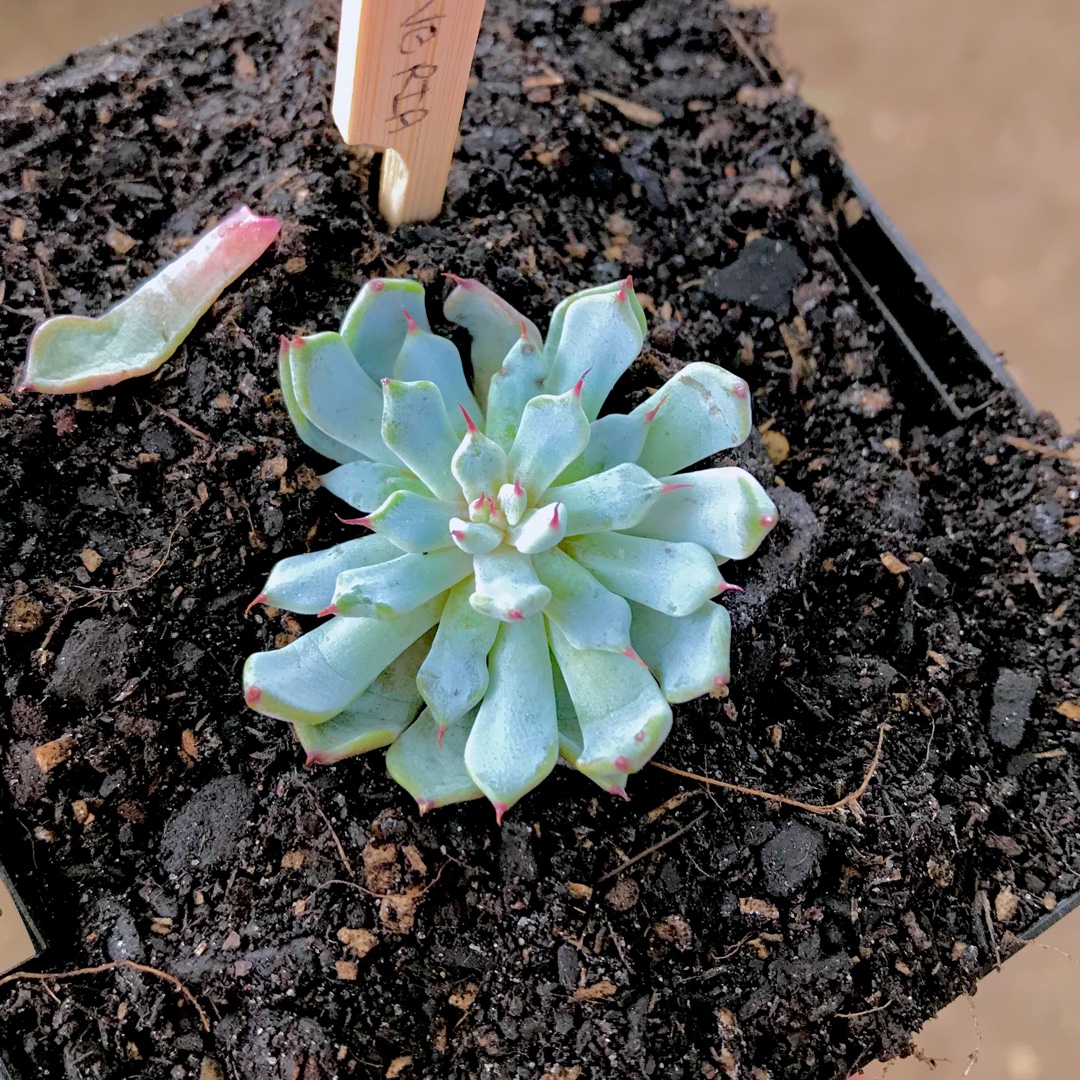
(403, 69)
(16, 943)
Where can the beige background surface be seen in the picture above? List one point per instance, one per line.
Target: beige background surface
(962, 116)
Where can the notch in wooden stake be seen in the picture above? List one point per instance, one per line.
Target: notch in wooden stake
(403, 69)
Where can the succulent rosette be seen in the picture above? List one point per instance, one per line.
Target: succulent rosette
(538, 581)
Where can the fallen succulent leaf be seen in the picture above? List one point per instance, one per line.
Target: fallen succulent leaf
(73, 353)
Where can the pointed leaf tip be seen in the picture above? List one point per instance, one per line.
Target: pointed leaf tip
(468, 419)
(627, 288)
(441, 731)
(377, 285)
(719, 682)
(768, 520)
(580, 383)
(253, 695)
(673, 487)
(260, 599)
(514, 614)
(555, 523)
(331, 610)
(650, 416)
(740, 389)
(629, 652)
(424, 805)
(500, 810)
(726, 586)
(364, 521)
(410, 321)
(615, 789)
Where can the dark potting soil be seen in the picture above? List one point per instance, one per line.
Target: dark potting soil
(923, 576)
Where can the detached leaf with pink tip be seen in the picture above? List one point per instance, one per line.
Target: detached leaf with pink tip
(493, 324)
(705, 410)
(689, 656)
(376, 718)
(515, 740)
(72, 354)
(431, 770)
(724, 510)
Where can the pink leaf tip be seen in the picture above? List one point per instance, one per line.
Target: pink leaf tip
(740, 389)
(650, 416)
(719, 682)
(630, 654)
(726, 586)
(260, 599)
(627, 286)
(283, 344)
(580, 383)
(468, 419)
(253, 695)
(518, 489)
(555, 523)
(457, 534)
(514, 614)
(297, 341)
(378, 285)
(673, 487)
(386, 381)
(424, 805)
(460, 282)
(500, 809)
(413, 328)
(616, 789)
(331, 610)
(524, 330)
(768, 520)
(441, 732)
(364, 521)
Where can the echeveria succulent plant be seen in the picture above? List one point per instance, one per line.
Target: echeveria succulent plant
(539, 580)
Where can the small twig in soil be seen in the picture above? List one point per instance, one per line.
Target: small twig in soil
(864, 1012)
(848, 802)
(181, 423)
(655, 847)
(46, 300)
(326, 821)
(746, 49)
(989, 918)
(973, 1057)
(48, 976)
(368, 892)
(95, 591)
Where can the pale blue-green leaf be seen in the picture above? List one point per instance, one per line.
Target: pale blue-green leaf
(494, 325)
(479, 465)
(73, 354)
(705, 410)
(616, 499)
(690, 656)
(414, 522)
(436, 359)
(540, 530)
(553, 432)
(305, 583)
(374, 327)
(336, 396)
(589, 615)
(416, 427)
(319, 674)
(376, 718)
(454, 676)
(513, 502)
(615, 439)
(506, 586)
(622, 715)
(368, 484)
(558, 317)
(602, 335)
(516, 383)
(392, 589)
(475, 537)
(724, 510)
(515, 740)
(433, 774)
(317, 439)
(670, 577)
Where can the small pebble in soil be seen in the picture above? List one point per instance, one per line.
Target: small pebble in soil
(1014, 692)
(790, 858)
